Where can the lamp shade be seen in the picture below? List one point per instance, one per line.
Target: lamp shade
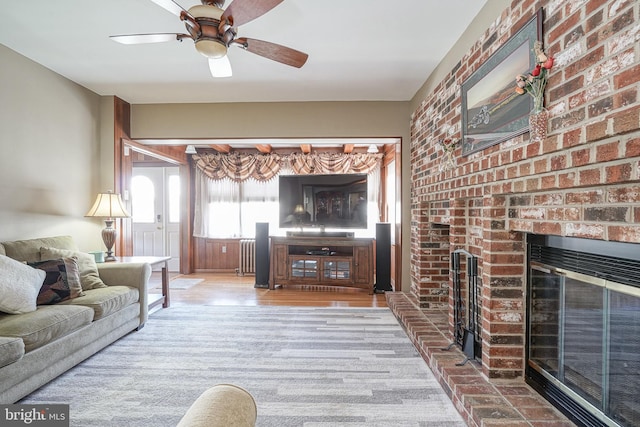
(108, 205)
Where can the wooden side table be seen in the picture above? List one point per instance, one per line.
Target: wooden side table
(154, 260)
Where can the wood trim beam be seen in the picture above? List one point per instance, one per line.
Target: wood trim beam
(264, 148)
(305, 148)
(347, 148)
(167, 154)
(221, 148)
(122, 171)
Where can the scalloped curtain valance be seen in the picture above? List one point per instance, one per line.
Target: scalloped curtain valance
(264, 167)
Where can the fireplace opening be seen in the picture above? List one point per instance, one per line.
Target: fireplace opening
(583, 335)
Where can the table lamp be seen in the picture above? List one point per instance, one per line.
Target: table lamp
(109, 206)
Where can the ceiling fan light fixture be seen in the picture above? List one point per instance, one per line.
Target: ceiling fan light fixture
(206, 11)
(211, 48)
(372, 148)
(191, 149)
(213, 30)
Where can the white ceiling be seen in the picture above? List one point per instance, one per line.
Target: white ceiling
(358, 49)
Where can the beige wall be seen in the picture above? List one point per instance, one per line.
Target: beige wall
(106, 179)
(271, 120)
(49, 137)
(493, 11)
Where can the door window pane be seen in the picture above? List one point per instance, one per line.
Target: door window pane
(174, 198)
(142, 199)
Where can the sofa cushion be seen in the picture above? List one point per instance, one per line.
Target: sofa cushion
(29, 250)
(11, 350)
(46, 324)
(107, 300)
(19, 286)
(89, 277)
(62, 280)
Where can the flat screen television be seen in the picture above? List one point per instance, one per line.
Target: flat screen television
(334, 201)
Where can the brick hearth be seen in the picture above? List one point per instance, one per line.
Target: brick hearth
(482, 402)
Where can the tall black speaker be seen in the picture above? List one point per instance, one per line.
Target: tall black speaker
(383, 257)
(262, 255)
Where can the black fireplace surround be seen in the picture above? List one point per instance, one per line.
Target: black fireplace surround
(583, 328)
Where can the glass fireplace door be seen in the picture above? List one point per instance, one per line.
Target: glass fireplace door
(583, 337)
(583, 334)
(624, 355)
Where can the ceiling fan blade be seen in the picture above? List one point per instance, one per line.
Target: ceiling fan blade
(220, 67)
(243, 11)
(171, 6)
(148, 38)
(273, 51)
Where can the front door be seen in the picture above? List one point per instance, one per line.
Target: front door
(155, 205)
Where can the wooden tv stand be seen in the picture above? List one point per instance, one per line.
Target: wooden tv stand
(320, 260)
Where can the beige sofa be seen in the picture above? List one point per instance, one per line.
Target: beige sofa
(37, 346)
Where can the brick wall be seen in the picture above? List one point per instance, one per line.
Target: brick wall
(582, 181)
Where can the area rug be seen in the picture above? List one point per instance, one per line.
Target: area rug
(183, 283)
(311, 367)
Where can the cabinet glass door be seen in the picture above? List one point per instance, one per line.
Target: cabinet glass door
(304, 268)
(337, 270)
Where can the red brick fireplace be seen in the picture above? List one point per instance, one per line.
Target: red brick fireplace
(582, 181)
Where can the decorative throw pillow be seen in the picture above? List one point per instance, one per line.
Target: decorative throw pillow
(19, 286)
(62, 280)
(89, 278)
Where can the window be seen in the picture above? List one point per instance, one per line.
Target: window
(258, 203)
(233, 208)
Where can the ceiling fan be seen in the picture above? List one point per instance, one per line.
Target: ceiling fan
(213, 30)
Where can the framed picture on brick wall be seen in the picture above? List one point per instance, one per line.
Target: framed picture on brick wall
(492, 111)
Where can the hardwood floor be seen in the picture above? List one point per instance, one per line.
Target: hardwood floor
(230, 289)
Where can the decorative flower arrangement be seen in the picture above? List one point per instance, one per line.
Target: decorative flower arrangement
(535, 82)
(448, 145)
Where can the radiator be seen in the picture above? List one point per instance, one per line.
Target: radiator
(247, 262)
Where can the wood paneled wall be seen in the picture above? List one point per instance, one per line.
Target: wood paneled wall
(219, 255)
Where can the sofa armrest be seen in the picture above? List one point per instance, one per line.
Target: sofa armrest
(135, 275)
(223, 405)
